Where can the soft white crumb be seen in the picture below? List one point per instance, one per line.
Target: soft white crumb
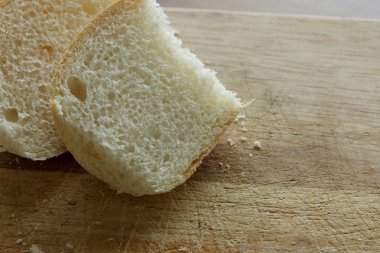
(244, 129)
(230, 142)
(183, 249)
(257, 145)
(250, 155)
(243, 139)
(19, 241)
(35, 249)
(241, 116)
(231, 244)
(228, 166)
(69, 245)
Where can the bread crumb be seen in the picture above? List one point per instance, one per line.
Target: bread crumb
(19, 233)
(35, 249)
(231, 244)
(243, 139)
(230, 142)
(228, 166)
(221, 164)
(109, 239)
(240, 117)
(24, 243)
(183, 249)
(19, 241)
(13, 215)
(244, 129)
(69, 245)
(257, 145)
(250, 155)
(295, 133)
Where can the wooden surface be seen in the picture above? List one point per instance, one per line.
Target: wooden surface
(341, 8)
(314, 186)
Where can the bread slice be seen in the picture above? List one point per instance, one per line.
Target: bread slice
(34, 36)
(135, 108)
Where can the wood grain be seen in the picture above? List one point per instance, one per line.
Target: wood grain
(314, 186)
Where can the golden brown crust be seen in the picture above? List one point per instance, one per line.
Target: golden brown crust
(195, 164)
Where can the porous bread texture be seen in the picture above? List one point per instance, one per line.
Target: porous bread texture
(135, 108)
(34, 36)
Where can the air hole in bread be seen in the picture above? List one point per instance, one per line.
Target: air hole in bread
(167, 158)
(77, 88)
(42, 89)
(48, 9)
(31, 14)
(48, 49)
(88, 6)
(18, 43)
(131, 149)
(156, 133)
(111, 96)
(11, 115)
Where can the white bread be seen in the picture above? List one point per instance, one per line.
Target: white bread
(135, 108)
(34, 36)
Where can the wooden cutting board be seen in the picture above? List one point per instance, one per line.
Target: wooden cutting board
(313, 187)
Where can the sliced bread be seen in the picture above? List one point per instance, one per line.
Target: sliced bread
(34, 36)
(135, 108)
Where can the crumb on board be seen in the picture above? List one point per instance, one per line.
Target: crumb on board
(24, 243)
(243, 139)
(69, 245)
(110, 239)
(35, 249)
(257, 145)
(183, 249)
(228, 166)
(19, 241)
(221, 164)
(250, 155)
(230, 142)
(241, 116)
(244, 129)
